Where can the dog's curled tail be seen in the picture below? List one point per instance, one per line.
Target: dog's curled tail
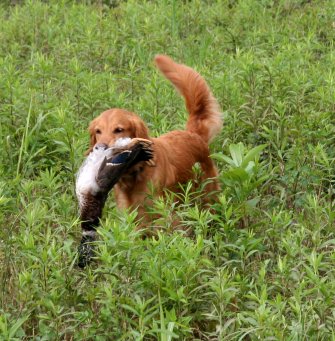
(204, 112)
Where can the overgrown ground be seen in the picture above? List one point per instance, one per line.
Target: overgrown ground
(263, 266)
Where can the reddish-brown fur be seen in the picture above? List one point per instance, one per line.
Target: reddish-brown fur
(176, 152)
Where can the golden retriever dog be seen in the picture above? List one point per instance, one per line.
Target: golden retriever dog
(176, 152)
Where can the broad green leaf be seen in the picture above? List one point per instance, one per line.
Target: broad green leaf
(236, 152)
(253, 202)
(237, 174)
(250, 166)
(221, 157)
(251, 155)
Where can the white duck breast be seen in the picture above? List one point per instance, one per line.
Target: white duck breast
(86, 176)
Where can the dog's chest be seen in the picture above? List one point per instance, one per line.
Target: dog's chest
(133, 177)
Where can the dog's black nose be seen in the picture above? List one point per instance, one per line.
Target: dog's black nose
(103, 146)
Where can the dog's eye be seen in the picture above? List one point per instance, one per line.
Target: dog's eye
(98, 131)
(118, 130)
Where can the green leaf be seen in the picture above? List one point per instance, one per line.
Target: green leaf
(237, 174)
(252, 203)
(236, 152)
(223, 158)
(252, 154)
(16, 326)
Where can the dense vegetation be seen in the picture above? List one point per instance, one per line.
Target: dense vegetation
(261, 267)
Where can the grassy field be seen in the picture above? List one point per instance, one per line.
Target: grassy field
(263, 266)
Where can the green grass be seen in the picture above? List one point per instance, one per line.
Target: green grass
(261, 267)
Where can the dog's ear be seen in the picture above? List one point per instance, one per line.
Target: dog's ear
(140, 129)
(93, 139)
